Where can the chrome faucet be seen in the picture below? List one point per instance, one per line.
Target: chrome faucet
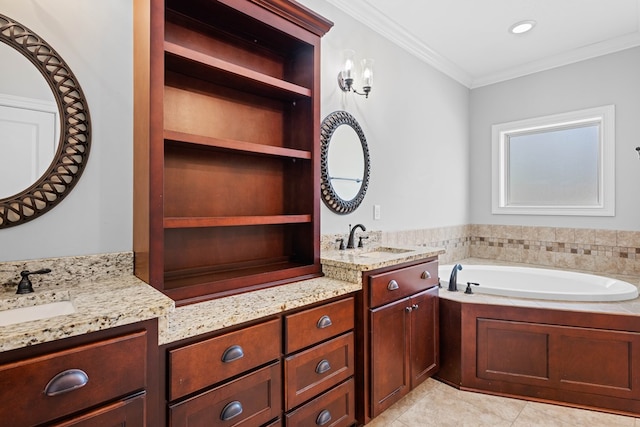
(453, 279)
(352, 232)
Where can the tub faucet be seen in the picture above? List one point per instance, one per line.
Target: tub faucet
(453, 279)
(352, 232)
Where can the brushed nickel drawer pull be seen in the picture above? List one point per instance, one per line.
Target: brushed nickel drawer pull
(323, 417)
(323, 366)
(393, 285)
(234, 352)
(425, 275)
(66, 381)
(231, 410)
(324, 322)
(415, 306)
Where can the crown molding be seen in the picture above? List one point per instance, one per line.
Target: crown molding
(381, 24)
(576, 55)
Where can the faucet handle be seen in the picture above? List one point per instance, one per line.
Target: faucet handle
(360, 245)
(341, 244)
(25, 286)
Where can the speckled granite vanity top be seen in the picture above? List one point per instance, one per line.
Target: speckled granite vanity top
(99, 304)
(105, 294)
(349, 264)
(371, 258)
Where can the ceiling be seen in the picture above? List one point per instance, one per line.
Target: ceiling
(469, 39)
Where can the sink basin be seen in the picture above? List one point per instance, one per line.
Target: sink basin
(35, 312)
(383, 251)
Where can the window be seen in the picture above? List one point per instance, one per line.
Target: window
(555, 165)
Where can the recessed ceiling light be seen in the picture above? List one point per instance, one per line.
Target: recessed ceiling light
(522, 27)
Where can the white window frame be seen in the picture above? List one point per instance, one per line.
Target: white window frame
(603, 116)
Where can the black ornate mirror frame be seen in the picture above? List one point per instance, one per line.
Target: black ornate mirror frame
(75, 128)
(327, 192)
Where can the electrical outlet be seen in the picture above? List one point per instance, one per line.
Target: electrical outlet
(376, 211)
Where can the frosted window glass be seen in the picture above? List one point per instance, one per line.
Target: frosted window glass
(562, 164)
(554, 168)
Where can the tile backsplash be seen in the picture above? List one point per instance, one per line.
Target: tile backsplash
(600, 251)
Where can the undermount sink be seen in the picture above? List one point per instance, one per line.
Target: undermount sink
(383, 251)
(35, 312)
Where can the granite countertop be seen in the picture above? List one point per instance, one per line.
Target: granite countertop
(105, 296)
(99, 304)
(195, 319)
(105, 300)
(372, 258)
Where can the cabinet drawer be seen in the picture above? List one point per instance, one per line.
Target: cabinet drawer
(124, 413)
(317, 369)
(251, 400)
(316, 324)
(396, 284)
(112, 368)
(208, 362)
(335, 408)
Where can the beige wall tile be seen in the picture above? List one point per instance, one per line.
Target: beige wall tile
(628, 239)
(539, 257)
(565, 235)
(506, 231)
(483, 230)
(585, 236)
(606, 237)
(541, 234)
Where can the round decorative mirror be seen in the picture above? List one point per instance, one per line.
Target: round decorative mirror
(53, 164)
(344, 163)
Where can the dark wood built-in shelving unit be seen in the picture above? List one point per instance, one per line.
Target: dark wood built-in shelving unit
(226, 192)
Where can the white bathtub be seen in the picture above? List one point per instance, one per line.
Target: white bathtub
(539, 283)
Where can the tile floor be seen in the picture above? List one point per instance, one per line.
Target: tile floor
(436, 404)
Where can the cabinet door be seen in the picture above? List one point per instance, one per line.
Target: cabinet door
(424, 336)
(390, 378)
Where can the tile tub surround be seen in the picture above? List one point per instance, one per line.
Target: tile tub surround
(592, 250)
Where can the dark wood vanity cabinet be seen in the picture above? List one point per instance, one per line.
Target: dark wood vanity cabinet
(319, 366)
(229, 379)
(226, 150)
(103, 378)
(399, 316)
(293, 369)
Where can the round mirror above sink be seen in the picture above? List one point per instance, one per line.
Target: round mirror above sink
(345, 167)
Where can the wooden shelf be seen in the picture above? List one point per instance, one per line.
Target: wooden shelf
(235, 221)
(205, 67)
(242, 146)
(184, 286)
(226, 134)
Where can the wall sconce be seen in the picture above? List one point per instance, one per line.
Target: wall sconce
(347, 74)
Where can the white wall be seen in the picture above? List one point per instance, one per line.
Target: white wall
(416, 124)
(95, 39)
(609, 79)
